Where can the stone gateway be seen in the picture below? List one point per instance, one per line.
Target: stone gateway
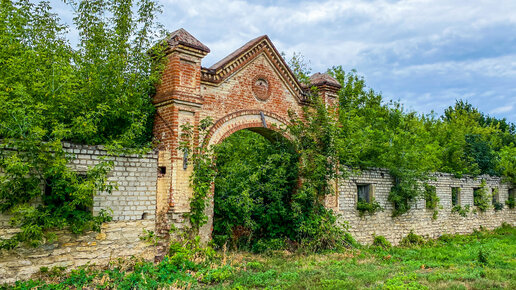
(252, 88)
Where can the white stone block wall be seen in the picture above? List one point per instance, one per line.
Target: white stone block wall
(135, 177)
(133, 206)
(419, 219)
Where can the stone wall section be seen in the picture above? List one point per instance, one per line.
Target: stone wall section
(133, 206)
(116, 239)
(419, 219)
(135, 177)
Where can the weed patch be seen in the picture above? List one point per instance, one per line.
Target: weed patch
(484, 259)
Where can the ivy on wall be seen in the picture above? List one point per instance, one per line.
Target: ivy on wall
(192, 145)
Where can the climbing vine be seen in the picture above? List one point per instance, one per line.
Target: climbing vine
(314, 137)
(200, 156)
(510, 202)
(431, 199)
(481, 197)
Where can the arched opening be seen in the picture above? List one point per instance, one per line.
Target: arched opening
(257, 174)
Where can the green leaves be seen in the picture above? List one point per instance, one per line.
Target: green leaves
(481, 197)
(375, 134)
(97, 93)
(201, 157)
(507, 162)
(255, 181)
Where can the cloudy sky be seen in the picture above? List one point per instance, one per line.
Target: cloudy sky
(425, 53)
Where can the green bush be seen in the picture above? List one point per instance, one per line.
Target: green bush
(431, 198)
(481, 197)
(218, 275)
(483, 256)
(412, 240)
(462, 211)
(504, 229)
(403, 193)
(510, 202)
(435, 214)
(371, 207)
(381, 241)
(253, 192)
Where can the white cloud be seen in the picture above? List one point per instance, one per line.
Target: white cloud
(502, 109)
(417, 50)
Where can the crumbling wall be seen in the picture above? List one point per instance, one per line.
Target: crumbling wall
(420, 219)
(133, 208)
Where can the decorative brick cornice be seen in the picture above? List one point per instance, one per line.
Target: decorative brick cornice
(223, 69)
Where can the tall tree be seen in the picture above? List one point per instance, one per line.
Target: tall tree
(51, 92)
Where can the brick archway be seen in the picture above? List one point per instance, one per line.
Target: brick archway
(254, 120)
(252, 88)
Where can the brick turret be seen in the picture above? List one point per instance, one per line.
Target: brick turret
(327, 85)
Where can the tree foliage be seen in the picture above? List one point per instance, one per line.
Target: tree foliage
(96, 93)
(373, 133)
(255, 181)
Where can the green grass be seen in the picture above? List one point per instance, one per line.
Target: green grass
(450, 263)
(484, 259)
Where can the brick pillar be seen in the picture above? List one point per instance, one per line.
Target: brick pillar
(178, 101)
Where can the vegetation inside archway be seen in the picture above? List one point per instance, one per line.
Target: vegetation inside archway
(255, 180)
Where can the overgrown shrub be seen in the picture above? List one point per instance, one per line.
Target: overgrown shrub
(314, 134)
(431, 198)
(253, 191)
(187, 253)
(412, 239)
(481, 197)
(504, 229)
(65, 201)
(382, 242)
(510, 202)
(483, 256)
(371, 207)
(403, 194)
